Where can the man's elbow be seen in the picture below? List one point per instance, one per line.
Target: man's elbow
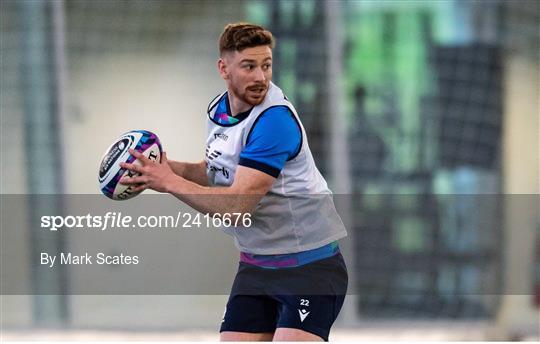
(246, 210)
(239, 210)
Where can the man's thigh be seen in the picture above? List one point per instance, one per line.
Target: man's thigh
(250, 317)
(312, 316)
(321, 288)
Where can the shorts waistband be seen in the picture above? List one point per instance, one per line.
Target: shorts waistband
(276, 261)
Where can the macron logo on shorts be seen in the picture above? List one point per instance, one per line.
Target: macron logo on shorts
(303, 314)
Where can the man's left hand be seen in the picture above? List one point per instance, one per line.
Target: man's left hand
(154, 175)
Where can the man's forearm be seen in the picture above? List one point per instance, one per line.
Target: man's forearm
(249, 185)
(212, 200)
(195, 172)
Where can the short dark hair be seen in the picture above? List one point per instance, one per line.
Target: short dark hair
(239, 36)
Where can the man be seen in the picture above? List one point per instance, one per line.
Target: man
(292, 279)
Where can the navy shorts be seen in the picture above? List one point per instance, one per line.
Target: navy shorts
(307, 297)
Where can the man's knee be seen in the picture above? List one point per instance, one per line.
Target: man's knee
(231, 336)
(284, 334)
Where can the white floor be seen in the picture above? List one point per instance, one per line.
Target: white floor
(370, 331)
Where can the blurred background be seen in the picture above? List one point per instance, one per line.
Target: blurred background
(424, 113)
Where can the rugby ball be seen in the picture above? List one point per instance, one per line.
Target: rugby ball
(110, 171)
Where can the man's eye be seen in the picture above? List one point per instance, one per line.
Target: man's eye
(267, 66)
(249, 67)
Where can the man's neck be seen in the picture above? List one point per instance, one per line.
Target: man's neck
(237, 106)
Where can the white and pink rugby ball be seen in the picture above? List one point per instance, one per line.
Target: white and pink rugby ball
(110, 171)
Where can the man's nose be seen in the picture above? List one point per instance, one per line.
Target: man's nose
(259, 74)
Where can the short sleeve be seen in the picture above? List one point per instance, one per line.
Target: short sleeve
(274, 138)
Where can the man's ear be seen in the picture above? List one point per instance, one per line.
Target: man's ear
(222, 68)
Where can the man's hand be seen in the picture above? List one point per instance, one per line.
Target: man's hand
(154, 175)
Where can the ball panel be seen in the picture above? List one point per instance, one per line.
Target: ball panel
(114, 156)
(113, 153)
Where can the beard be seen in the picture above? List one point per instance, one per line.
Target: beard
(252, 95)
